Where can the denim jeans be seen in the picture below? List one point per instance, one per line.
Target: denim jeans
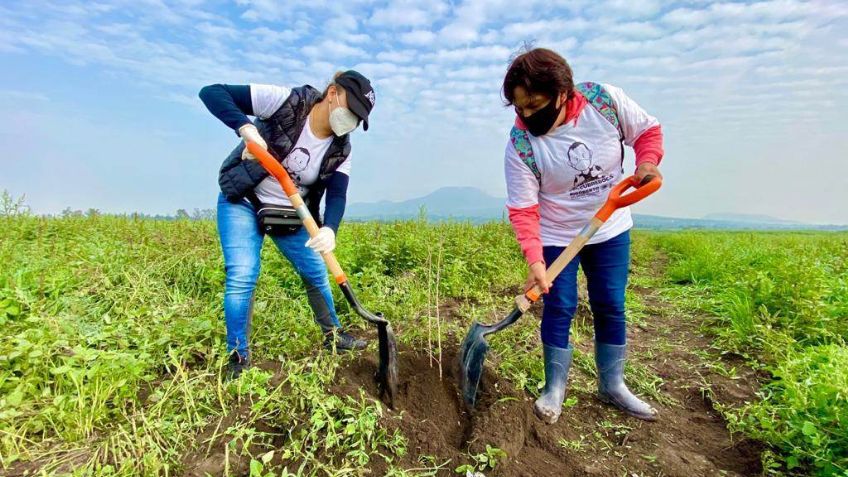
(241, 241)
(606, 266)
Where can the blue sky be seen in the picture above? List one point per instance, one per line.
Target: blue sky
(99, 108)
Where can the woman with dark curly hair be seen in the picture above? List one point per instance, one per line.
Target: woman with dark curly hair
(565, 152)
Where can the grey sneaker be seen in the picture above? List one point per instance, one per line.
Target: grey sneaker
(343, 341)
(236, 366)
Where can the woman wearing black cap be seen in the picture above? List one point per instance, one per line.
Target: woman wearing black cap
(309, 133)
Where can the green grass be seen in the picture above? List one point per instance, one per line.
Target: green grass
(113, 341)
(781, 300)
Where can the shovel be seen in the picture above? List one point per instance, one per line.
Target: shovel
(474, 346)
(387, 374)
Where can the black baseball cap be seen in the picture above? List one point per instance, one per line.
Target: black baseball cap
(360, 94)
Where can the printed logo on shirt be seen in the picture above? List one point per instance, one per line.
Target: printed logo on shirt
(296, 163)
(590, 178)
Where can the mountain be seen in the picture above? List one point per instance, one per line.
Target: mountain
(469, 203)
(750, 218)
(463, 203)
(728, 222)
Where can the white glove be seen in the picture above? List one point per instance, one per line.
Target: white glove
(249, 133)
(324, 242)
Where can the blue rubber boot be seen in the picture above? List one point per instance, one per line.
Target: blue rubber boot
(611, 388)
(557, 363)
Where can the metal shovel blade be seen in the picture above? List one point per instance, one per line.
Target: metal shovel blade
(387, 371)
(472, 356)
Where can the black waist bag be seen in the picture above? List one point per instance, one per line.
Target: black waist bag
(278, 219)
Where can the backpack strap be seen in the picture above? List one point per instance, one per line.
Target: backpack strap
(597, 96)
(520, 139)
(601, 100)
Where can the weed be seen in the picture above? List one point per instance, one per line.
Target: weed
(482, 461)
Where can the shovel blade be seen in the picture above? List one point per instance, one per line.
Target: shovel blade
(387, 370)
(387, 373)
(472, 357)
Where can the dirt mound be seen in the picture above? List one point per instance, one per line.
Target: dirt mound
(432, 411)
(433, 417)
(591, 439)
(431, 414)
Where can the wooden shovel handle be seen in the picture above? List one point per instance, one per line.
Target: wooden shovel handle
(614, 202)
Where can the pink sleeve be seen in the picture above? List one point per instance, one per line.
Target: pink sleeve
(649, 146)
(525, 223)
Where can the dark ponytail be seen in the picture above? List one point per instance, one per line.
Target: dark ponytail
(332, 82)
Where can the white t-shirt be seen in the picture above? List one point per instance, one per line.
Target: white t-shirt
(579, 162)
(304, 160)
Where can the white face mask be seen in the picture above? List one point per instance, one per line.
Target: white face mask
(342, 120)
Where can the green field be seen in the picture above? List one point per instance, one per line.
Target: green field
(113, 347)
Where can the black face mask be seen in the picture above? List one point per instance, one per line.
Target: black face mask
(542, 120)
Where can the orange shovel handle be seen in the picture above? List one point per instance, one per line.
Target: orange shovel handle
(276, 169)
(273, 167)
(616, 200)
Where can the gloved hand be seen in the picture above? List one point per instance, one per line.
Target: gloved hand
(324, 242)
(249, 133)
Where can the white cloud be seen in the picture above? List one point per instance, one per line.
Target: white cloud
(398, 16)
(776, 11)
(276, 60)
(493, 72)
(686, 17)
(397, 56)
(332, 49)
(184, 99)
(534, 29)
(637, 29)
(218, 31)
(408, 13)
(272, 37)
(418, 37)
(630, 8)
(355, 38)
(564, 46)
(462, 33)
(487, 53)
(437, 65)
(262, 9)
(387, 69)
(345, 23)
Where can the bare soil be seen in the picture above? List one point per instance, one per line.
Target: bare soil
(690, 438)
(591, 438)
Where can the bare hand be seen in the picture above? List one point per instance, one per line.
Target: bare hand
(537, 276)
(647, 169)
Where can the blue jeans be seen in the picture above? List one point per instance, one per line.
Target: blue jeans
(606, 266)
(241, 241)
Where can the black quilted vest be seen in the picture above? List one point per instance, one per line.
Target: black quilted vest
(238, 178)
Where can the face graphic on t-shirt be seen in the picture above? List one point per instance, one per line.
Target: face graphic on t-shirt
(298, 159)
(579, 157)
(296, 163)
